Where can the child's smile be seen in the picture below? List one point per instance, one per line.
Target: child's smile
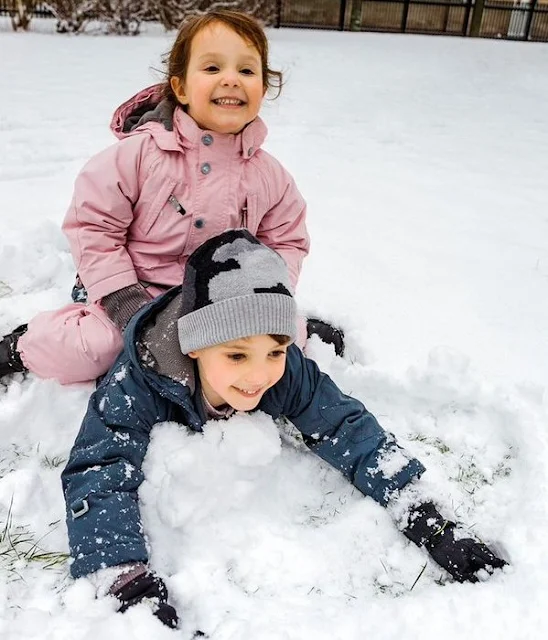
(247, 393)
(228, 102)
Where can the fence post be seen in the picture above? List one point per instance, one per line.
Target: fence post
(278, 23)
(342, 15)
(466, 17)
(530, 15)
(477, 15)
(404, 15)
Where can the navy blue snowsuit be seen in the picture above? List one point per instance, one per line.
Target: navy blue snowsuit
(152, 382)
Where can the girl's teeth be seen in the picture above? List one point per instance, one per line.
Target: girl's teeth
(227, 101)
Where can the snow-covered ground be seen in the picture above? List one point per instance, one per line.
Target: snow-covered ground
(424, 162)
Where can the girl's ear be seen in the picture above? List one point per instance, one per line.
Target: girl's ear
(178, 89)
(192, 354)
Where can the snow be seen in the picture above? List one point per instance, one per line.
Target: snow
(423, 161)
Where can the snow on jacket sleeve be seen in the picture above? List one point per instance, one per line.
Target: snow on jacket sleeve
(341, 430)
(100, 213)
(283, 227)
(103, 474)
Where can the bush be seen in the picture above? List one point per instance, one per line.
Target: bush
(124, 17)
(72, 15)
(20, 20)
(172, 12)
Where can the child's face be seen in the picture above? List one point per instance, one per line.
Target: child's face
(223, 88)
(239, 372)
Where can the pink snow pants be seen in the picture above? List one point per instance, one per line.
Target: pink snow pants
(78, 343)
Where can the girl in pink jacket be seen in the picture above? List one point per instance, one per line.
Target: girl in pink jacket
(188, 165)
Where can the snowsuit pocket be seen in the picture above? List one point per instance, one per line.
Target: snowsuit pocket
(249, 214)
(157, 205)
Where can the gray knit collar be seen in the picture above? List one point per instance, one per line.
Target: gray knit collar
(161, 112)
(159, 349)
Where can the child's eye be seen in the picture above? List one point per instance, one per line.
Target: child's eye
(236, 357)
(248, 72)
(212, 68)
(279, 353)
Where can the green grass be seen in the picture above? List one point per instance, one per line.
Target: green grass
(52, 462)
(19, 547)
(436, 443)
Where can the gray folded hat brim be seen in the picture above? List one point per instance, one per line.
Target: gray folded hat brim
(239, 317)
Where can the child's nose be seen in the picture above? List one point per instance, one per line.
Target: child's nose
(256, 377)
(231, 78)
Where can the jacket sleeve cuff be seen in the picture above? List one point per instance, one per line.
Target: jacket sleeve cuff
(121, 305)
(127, 574)
(105, 286)
(111, 579)
(386, 488)
(405, 501)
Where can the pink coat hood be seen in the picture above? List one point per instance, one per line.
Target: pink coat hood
(147, 108)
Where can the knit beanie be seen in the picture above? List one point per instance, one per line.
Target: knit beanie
(234, 287)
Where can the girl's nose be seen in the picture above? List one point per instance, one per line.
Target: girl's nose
(230, 78)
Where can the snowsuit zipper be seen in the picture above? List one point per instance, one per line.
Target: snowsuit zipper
(176, 205)
(243, 216)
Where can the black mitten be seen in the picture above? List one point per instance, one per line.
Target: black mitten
(148, 588)
(326, 333)
(459, 555)
(10, 360)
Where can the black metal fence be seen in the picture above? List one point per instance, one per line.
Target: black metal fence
(449, 17)
(315, 14)
(517, 20)
(507, 19)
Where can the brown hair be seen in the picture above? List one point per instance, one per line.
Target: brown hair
(243, 24)
(281, 340)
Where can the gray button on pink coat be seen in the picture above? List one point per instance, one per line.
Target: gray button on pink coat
(141, 207)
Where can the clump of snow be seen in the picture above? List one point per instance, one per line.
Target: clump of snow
(120, 374)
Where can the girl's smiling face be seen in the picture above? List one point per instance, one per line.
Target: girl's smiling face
(238, 373)
(223, 86)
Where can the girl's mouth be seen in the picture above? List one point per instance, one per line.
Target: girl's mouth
(228, 102)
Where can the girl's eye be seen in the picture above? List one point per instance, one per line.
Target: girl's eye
(279, 353)
(211, 68)
(248, 72)
(235, 357)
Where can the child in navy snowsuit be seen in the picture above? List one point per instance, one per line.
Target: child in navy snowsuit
(223, 342)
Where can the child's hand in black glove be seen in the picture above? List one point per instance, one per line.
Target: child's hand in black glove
(460, 555)
(150, 589)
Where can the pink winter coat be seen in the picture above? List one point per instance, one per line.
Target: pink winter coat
(143, 205)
